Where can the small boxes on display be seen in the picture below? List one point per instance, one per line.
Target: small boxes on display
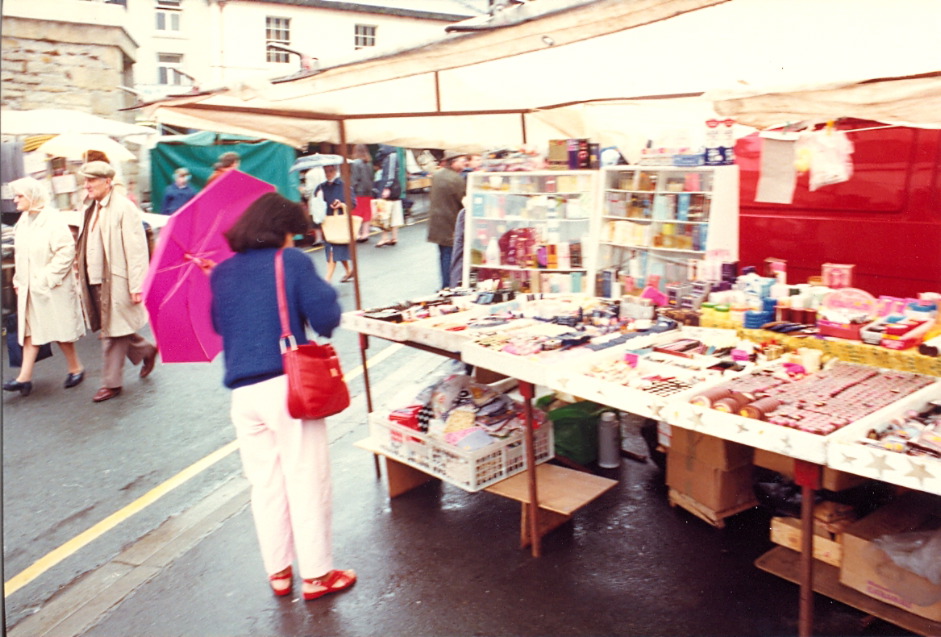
(573, 154)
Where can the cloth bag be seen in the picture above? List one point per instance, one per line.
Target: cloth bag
(387, 213)
(316, 388)
(13, 344)
(335, 227)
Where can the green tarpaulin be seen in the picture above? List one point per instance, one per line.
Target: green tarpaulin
(266, 160)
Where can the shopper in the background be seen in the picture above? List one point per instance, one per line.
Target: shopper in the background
(178, 193)
(48, 307)
(361, 184)
(332, 192)
(286, 460)
(227, 161)
(474, 162)
(112, 261)
(444, 202)
(387, 186)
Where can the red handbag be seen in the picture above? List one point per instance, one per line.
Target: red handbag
(315, 381)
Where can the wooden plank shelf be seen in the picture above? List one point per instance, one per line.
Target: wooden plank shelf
(785, 563)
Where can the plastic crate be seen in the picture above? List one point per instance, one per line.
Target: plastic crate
(470, 470)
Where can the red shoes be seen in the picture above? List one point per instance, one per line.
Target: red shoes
(332, 582)
(282, 582)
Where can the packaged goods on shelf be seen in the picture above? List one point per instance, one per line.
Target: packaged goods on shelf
(463, 432)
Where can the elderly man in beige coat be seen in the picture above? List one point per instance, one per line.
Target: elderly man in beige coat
(112, 262)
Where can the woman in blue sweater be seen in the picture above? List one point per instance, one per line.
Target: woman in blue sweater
(285, 460)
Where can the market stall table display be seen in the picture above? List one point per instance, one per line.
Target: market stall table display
(684, 376)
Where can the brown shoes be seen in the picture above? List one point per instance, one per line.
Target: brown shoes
(106, 393)
(147, 365)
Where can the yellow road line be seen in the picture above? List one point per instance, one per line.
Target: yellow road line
(55, 556)
(68, 549)
(378, 358)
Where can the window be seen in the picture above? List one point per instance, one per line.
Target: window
(277, 31)
(168, 15)
(166, 63)
(365, 35)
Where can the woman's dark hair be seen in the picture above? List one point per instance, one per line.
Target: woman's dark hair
(265, 223)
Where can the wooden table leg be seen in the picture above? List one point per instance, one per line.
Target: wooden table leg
(363, 346)
(527, 389)
(807, 476)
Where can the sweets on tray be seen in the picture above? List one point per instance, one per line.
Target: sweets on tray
(818, 403)
(916, 432)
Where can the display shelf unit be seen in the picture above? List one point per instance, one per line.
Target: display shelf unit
(656, 220)
(531, 230)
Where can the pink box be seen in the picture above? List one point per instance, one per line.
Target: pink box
(837, 275)
(848, 331)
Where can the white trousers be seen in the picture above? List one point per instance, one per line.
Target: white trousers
(287, 463)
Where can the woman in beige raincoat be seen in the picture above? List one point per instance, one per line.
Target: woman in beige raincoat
(48, 305)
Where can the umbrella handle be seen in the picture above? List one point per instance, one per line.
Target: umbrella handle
(206, 265)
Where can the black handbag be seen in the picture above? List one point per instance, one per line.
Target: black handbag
(13, 343)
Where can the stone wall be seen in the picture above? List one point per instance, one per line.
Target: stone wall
(66, 65)
(75, 66)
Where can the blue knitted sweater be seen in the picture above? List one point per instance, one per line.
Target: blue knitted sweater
(245, 311)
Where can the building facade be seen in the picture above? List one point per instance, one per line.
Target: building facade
(101, 56)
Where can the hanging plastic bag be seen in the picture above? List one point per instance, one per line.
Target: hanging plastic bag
(830, 153)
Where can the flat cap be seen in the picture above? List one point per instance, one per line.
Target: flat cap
(453, 154)
(97, 169)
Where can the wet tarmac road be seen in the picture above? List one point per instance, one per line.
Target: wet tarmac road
(436, 561)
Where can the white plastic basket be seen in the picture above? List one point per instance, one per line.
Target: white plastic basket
(470, 470)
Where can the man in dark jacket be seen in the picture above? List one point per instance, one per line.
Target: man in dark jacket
(445, 201)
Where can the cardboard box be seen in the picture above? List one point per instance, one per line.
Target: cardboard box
(868, 569)
(710, 486)
(787, 532)
(831, 479)
(710, 450)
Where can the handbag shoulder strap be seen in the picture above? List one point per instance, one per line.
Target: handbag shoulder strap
(282, 295)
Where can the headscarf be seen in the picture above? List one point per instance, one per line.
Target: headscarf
(33, 190)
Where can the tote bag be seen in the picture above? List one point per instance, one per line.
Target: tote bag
(387, 213)
(335, 227)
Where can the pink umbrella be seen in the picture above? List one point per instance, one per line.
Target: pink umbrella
(176, 289)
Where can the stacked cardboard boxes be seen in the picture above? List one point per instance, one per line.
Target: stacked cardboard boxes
(709, 476)
(869, 569)
(830, 521)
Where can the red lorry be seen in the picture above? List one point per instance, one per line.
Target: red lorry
(886, 220)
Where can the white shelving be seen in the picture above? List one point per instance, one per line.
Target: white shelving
(655, 219)
(532, 230)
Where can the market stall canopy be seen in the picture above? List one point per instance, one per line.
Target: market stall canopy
(56, 121)
(74, 146)
(911, 101)
(489, 86)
